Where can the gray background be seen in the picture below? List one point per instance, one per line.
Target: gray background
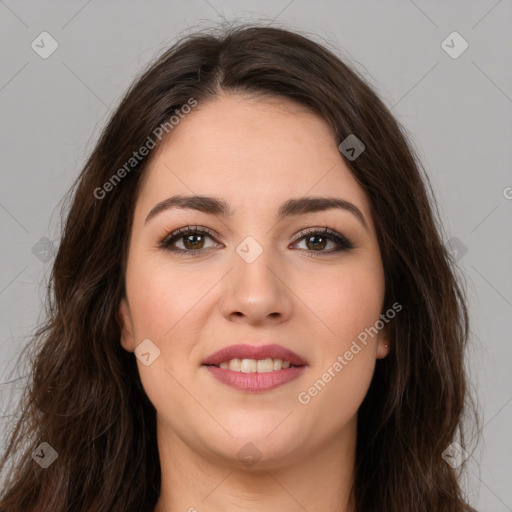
(458, 111)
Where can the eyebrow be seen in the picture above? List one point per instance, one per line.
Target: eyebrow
(219, 207)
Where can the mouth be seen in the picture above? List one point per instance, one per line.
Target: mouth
(252, 368)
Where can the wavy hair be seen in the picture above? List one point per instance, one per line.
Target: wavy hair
(84, 396)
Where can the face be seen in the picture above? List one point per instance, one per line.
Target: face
(253, 278)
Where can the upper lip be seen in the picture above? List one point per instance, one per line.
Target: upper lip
(244, 351)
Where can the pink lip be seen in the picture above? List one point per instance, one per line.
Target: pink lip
(244, 351)
(254, 382)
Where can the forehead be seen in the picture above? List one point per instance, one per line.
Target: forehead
(253, 152)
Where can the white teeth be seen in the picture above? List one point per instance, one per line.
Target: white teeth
(248, 366)
(253, 365)
(265, 365)
(235, 364)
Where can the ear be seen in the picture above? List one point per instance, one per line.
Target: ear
(126, 324)
(384, 341)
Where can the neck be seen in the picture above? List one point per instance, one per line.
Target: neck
(318, 480)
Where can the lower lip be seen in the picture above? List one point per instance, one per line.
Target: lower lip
(254, 382)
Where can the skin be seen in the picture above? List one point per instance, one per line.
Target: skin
(254, 154)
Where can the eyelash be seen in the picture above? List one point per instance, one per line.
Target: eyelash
(344, 243)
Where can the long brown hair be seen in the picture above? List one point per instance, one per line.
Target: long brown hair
(85, 398)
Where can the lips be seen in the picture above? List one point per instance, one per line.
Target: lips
(244, 351)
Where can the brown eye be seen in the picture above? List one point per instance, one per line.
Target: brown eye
(317, 240)
(191, 238)
(193, 242)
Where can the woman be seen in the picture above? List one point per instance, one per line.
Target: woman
(251, 307)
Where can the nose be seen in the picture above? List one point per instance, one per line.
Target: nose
(256, 292)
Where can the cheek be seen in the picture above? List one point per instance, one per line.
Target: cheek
(347, 300)
(164, 294)
(349, 303)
